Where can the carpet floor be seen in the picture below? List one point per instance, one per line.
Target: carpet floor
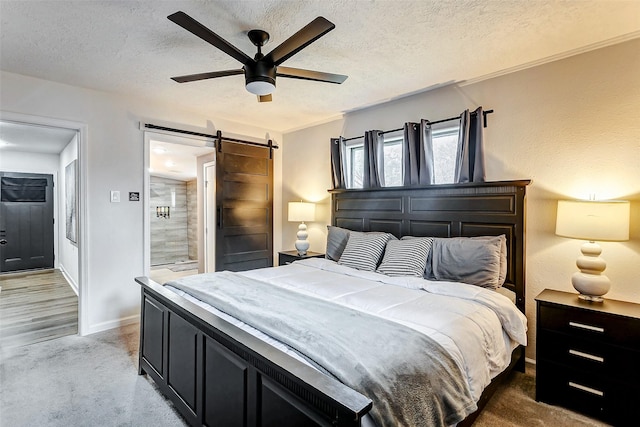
(80, 381)
(94, 381)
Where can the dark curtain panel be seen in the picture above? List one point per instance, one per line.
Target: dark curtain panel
(373, 176)
(418, 154)
(337, 163)
(470, 154)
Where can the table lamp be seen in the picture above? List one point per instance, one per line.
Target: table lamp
(592, 221)
(301, 212)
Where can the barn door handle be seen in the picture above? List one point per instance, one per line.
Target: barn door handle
(3, 241)
(219, 216)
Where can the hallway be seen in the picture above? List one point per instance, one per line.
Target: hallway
(36, 306)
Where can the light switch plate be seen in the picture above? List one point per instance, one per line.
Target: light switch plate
(115, 197)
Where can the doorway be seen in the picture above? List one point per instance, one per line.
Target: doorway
(176, 200)
(38, 149)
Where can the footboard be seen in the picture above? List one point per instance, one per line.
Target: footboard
(219, 375)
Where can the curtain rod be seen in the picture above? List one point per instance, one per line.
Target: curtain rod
(218, 136)
(484, 118)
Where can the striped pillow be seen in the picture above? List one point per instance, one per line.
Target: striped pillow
(363, 250)
(406, 257)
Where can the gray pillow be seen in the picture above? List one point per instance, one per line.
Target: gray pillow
(468, 260)
(336, 242)
(503, 254)
(405, 257)
(428, 274)
(363, 250)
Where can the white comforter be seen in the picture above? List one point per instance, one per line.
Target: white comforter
(479, 327)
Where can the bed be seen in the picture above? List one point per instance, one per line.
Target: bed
(216, 372)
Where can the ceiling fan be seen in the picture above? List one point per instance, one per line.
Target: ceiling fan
(260, 72)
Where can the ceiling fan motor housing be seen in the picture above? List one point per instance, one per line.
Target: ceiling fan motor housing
(260, 72)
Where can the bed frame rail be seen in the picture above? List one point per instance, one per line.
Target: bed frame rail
(219, 375)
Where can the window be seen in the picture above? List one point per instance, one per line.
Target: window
(393, 164)
(445, 143)
(355, 165)
(445, 146)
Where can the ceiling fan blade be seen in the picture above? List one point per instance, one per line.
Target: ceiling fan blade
(318, 76)
(204, 76)
(193, 26)
(264, 98)
(303, 38)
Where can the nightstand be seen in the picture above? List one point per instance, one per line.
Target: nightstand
(588, 356)
(287, 257)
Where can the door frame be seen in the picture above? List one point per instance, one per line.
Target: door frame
(173, 138)
(83, 218)
(209, 217)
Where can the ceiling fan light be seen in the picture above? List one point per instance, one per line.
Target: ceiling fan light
(260, 88)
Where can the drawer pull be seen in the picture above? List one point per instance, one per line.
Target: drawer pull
(586, 356)
(587, 327)
(587, 389)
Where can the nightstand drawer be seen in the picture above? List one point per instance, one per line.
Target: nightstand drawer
(590, 394)
(591, 325)
(589, 355)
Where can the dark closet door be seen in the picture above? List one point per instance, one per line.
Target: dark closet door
(244, 203)
(26, 221)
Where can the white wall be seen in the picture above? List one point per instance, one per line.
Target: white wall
(114, 162)
(18, 161)
(571, 126)
(307, 167)
(68, 254)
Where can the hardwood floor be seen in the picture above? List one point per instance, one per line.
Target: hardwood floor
(36, 306)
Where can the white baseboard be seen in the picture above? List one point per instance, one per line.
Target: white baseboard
(104, 326)
(69, 279)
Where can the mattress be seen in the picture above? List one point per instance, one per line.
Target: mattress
(478, 327)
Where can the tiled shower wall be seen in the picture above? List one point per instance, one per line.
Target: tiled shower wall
(170, 236)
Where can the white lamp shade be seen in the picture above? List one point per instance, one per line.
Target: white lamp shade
(302, 211)
(593, 220)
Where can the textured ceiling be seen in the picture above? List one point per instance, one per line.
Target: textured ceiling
(387, 48)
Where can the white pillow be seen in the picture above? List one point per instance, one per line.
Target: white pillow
(405, 257)
(363, 250)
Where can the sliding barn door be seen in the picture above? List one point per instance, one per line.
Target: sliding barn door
(244, 195)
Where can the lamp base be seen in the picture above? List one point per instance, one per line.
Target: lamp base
(591, 286)
(301, 252)
(302, 244)
(590, 298)
(590, 281)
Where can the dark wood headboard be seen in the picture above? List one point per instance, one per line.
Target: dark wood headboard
(450, 210)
